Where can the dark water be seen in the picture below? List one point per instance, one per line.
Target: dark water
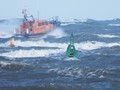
(41, 64)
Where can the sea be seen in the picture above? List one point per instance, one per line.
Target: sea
(42, 64)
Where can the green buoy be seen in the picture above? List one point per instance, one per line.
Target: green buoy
(71, 51)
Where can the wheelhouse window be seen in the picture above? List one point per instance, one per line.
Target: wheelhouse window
(46, 23)
(43, 23)
(39, 24)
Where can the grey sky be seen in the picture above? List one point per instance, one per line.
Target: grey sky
(65, 9)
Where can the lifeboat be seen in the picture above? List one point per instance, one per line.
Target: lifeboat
(33, 28)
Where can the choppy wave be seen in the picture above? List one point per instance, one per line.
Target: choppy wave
(107, 36)
(89, 45)
(71, 59)
(9, 25)
(117, 25)
(32, 53)
(40, 43)
(64, 24)
(36, 63)
(57, 33)
(68, 23)
(6, 63)
(4, 35)
(86, 45)
(79, 72)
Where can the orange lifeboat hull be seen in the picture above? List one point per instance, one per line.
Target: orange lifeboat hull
(35, 28)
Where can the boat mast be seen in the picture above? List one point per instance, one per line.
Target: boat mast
(38, 15)
(24, 12)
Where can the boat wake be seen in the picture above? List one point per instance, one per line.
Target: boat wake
(57, 33)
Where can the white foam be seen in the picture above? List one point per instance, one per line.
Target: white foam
(117, 25)
(78, 72)
(107, 36)
(68, 71)
(40, 43)
(8, 26)
(91, 45)
(3, 64)
(4, 35)
(74, 20)
(57, 33)
(8, 29)
(7, 63)
(102, 76)
(31, 53)
(71, 59)
(64, 24)
(88, 45)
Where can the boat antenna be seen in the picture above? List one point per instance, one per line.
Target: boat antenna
(24, 12)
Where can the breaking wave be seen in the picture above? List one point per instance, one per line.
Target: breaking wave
(6, 63)
(117, 25)
(57, 33)
(91, 45)
(87, 45)
(107, 36)
(9, 25)
(40, 43)
(32, 53)
(4, 35)
(79, 72)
